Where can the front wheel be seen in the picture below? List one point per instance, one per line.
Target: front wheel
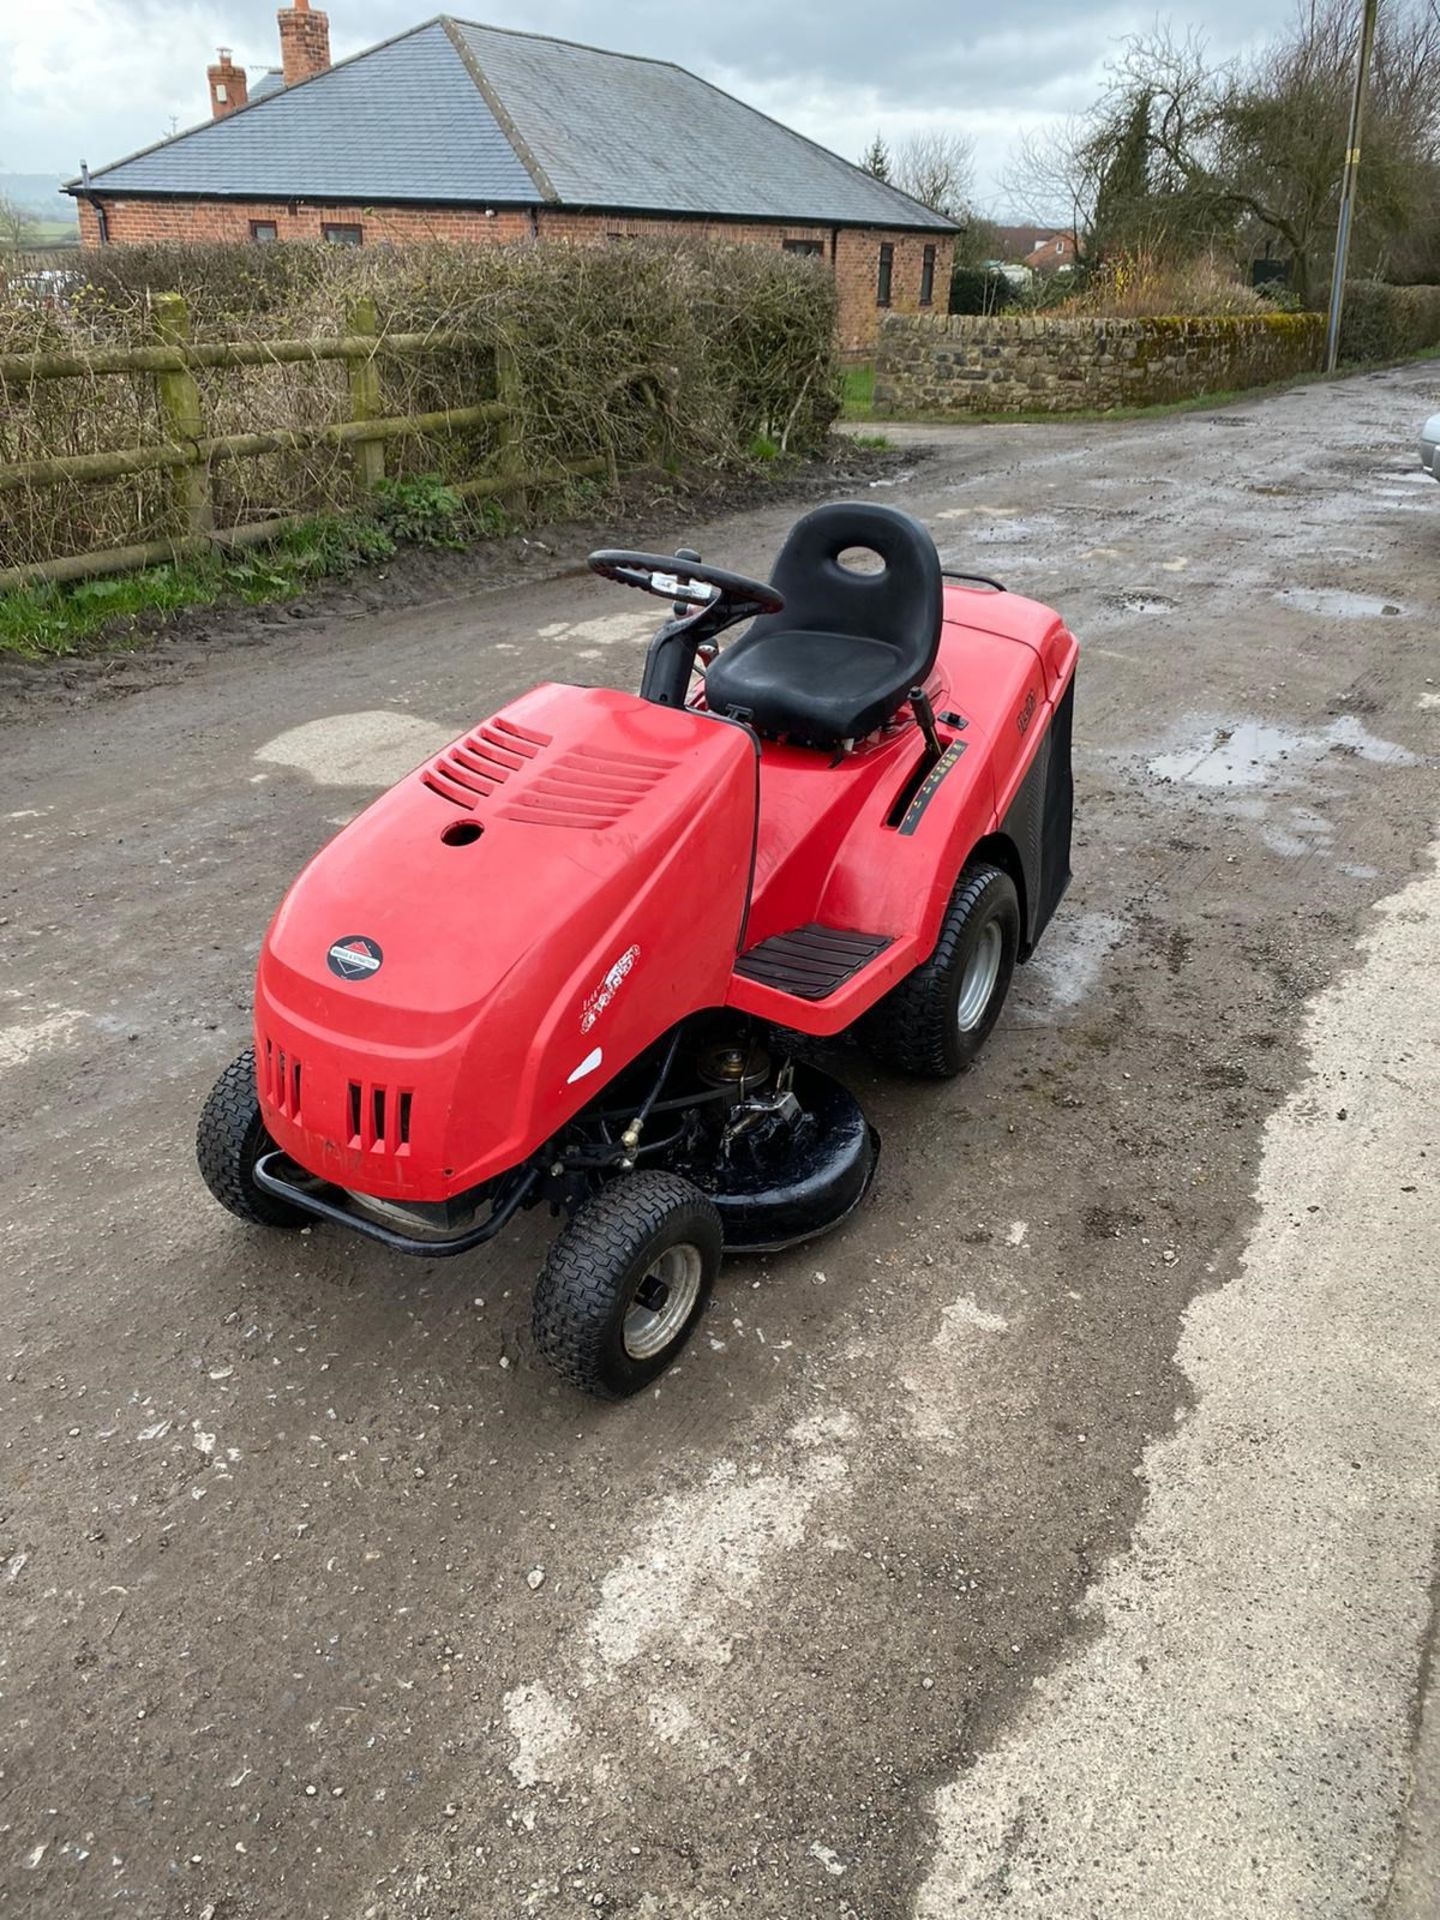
(626, 1282)
(934, 1022)
(231, 1137)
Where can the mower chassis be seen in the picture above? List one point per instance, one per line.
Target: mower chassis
(827, 1177)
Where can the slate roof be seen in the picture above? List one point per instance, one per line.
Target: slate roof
(404, 121)
(452, 113)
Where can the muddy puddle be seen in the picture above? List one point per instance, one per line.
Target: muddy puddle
(1335, 604)
(1254, 754)
(1066, 968)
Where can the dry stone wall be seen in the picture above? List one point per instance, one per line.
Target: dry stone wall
(1046, 363)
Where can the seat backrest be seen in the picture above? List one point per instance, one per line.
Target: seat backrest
(900, 603)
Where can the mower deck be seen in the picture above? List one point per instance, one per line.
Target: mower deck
(826, 1175)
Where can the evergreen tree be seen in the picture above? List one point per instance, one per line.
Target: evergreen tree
(1124, 190)
(876, 159)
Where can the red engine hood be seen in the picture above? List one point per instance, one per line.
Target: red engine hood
(564, 881)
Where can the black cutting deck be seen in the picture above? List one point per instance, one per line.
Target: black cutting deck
(810, 962)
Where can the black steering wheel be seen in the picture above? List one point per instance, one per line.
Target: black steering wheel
(669, 576)
(706, 600)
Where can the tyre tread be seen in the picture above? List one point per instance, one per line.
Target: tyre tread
(224, 1142)
(909, 1028)
(574, 1298)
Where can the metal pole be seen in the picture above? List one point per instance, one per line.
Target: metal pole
(1348, 186)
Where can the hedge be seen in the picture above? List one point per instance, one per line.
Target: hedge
(979, 290)
(1381, 322)
(697, 356)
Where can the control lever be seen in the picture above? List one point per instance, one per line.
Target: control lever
(682, 607)
(923, 711)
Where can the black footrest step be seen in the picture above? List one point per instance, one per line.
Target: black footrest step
(810, 962)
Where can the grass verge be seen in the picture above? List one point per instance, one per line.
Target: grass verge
(46, 621)
(857, 393)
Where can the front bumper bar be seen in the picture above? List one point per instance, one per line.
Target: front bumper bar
(503, 1209)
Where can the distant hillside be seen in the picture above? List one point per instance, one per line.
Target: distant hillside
(38, 194)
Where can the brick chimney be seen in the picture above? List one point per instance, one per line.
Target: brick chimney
(304, 42)
(228, 88)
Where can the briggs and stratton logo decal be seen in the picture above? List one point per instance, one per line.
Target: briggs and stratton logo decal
(599, 1000)
(925, 793)
(355, 957)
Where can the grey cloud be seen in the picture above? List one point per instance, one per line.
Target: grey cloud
(839, 70)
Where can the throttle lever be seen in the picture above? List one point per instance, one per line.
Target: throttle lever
(923, 711)
(682, 607)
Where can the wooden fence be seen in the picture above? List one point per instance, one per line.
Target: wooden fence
(188, 454)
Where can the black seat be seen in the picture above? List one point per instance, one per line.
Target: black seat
(839, 661)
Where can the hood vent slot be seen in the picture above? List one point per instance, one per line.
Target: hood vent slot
(586, 788)
(479, 765)
(379, 1117)
(280, 1081)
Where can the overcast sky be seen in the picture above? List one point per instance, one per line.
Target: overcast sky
(96, 79)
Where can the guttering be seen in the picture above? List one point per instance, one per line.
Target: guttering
(939, 226)
(102, 219)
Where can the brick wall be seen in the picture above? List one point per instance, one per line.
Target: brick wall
(1048, 364)
(205, 222)
(853, 251)
(857, 260)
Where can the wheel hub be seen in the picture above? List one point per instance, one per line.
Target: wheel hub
(663, 1301)
(977, 983)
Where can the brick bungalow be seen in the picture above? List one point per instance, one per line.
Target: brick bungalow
(1054, 254)
(460, 132)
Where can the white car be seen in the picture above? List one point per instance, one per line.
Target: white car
(1430, 445)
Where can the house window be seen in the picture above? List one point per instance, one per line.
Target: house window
(887, 269)
(803, 246)
(264, 232)
(927, 277)
(340, 236)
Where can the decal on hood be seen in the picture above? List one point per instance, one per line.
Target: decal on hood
(355, 956)
(599, 1000)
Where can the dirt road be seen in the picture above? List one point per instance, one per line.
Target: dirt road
(1057, 1539)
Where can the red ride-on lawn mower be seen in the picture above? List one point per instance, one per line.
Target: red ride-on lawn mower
(575, 956)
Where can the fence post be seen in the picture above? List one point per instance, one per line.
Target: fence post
(181, 417)
(509, 434)
(365, 396)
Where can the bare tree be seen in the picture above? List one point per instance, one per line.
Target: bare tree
(978, 241)
(1282, 128)
(937, 169)
(1180, 157)
(1054, 173)
(15, 223)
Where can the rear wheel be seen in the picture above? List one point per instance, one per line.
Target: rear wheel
(231, 1137)
(625, 1284)
(935, 1021)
